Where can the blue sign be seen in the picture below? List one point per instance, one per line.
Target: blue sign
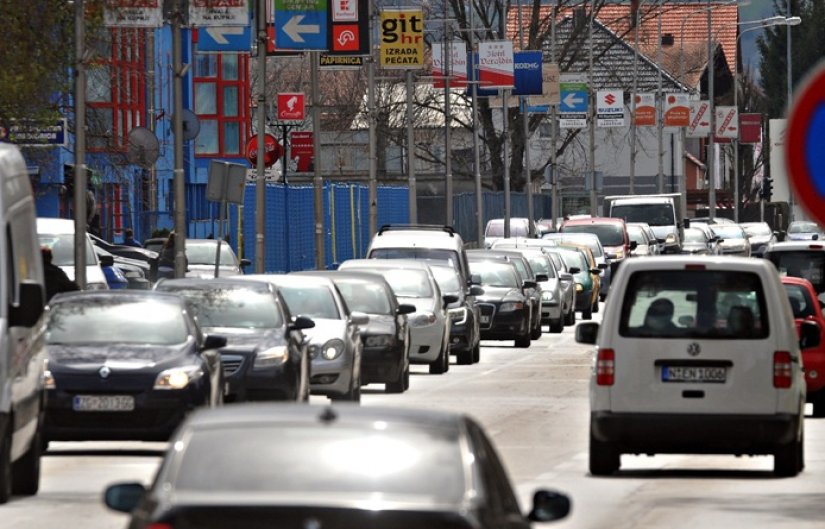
(27, 133)
(225, 39)
(573, 102)
(527, 73)
(301, 29)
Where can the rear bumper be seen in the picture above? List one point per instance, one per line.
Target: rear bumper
(382, 364)
(694, 433)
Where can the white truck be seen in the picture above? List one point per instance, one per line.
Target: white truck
(22, 295)
(661, 212)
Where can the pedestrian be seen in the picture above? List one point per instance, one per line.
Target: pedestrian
(56, 279)
(129, 239)
(166, 259)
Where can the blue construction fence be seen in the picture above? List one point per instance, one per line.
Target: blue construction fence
(289, 229)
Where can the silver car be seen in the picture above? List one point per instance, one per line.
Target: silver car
(732, 239)
(413, 283)
(335, 346)
(201, 255)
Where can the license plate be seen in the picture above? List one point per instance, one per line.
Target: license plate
(103, 403)
(694, 374)
(485, 319)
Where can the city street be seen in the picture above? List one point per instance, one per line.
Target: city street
(534, 405)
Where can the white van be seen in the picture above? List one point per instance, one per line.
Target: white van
(58, 234)
(697, 355)
(22, 296)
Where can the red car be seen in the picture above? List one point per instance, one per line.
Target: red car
(806, 307)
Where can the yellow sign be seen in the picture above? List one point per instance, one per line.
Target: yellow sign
(402, 38)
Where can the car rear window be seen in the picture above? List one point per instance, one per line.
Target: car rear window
(806, 264)
(694, 304)
(608, 234)
(801, 302)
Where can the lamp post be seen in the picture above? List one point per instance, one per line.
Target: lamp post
(789, 61)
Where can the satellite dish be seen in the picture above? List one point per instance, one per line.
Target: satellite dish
(191, 125)
(144, 148)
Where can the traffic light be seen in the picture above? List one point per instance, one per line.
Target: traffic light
(767, 189)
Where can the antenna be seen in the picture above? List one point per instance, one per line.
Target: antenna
(144, 148)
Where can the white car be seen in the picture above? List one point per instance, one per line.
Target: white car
(58, 235)
(697, 355)
(201, 255)
(414, 283)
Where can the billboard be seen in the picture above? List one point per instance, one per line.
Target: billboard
(402, 38)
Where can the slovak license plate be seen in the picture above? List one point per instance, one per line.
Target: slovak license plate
(103, 403)
(485, 319)
(705, 374)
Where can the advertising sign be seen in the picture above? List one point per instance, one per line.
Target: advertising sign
(345, 10)
(133, 13)
(645, 110)
(610, 108)
(31, 134)
(340, 62)
(203, 13)
(496, 68)
(457, 67)
(291, 107)
(349, 30)
(302, 150)
(750, 128)
(574, 100)
(699, 125)
(527, 72)
(272, 150)
(727, 122)
(677, 110)
(550, 90)
(402, 38)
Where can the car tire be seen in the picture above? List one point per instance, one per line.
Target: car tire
(787, 459)
(25, 471)
(570, 319)
(604, 458)
(5, 465)
(465, 357)
(400, 385)
(477, 354)
(557, 326)
(523, 341)
(587, 314)
(818, 403)
(603, 296)
(595, 307)
(535, 334)
(440, 365)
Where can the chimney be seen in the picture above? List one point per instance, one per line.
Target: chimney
(667, 40)
(634, 12)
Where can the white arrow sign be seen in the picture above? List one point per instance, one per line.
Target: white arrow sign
(571, 100)
(219, 34)
(294, 29)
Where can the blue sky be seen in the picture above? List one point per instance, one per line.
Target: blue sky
(756, 10)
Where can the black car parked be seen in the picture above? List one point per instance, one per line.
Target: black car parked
(504, 306)
(465, 330)
(265, 357)
(125, 365)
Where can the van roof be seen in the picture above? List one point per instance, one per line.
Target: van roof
(55, 225)
(593, 220)
(414, 239)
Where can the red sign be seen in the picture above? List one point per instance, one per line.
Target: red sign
(750, 128)
(645, 110)
(677, 110)
(302, 150)
(346, 37)
(291, 106)
(272, 150)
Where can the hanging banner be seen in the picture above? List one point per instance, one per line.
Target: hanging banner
(205, 13)
(699, 124)
(302, 151)
(496, 68)
(457, 66)
(645, 110)
(750, 126)
(677, 110)
(610, 108)
(727, 122)
(402, 38)
(133, 13)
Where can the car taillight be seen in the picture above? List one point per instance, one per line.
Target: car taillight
(159, 526)
(782, 369)
(605, 367)
(694, 267)
(814, 246)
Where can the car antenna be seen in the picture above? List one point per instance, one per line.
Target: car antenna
(328, 415)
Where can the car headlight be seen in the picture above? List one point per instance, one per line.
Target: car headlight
(97, 286)
(332, 349)
(48, 380)
(177, 377)
(271, 357)
(378, 340)
(423, 318)
(548, 295)
(619, 254)
(671, 238)
(458, 316)
(510, 306)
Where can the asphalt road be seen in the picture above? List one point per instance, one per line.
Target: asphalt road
(533, 403)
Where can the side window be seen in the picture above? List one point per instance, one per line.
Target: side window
(499, 494)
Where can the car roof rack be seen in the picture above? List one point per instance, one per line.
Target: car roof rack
(432, 227)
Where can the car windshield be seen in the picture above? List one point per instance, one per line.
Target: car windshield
(204, 254)
(808, 265)
(408, 283)
(422, 254)
(557, 261)
(728, 231)
(608, 234)
(803, 227)
(695, 235)
(421, 464)
(495, 274)
(694, 304)
(231, 307)
(446, 278)
(802, 305)
(541, 265)
(574, 259)
(108, 321)
(591, 242)
(363, 296)
(496, 229)
(651, 214)
(62, 247)
(757, 229)
(314, 301)
(637, 235)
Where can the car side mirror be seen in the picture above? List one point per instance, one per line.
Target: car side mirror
(720, 240)
(529, 284)
(245, 263)
(586, 332)
(595, 271)
(106, 260)
(808, 335)
(542, 278)
(300, 323)
(359, 318)
(633, 245)
(602, 265)
(28, 311)
(548, 506)
(686, 223)
(574, 270)
(405, 308)
(213, 341)
(124, 497)
(566, 277)
(475, 279)
(476, 290)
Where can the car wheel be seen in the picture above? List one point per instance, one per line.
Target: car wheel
(477, 354)
(595, 307)
(786, 459)
(354, 393)
(570, 319)
(465, 357)
(407, 378)
(604, 458)
(5, 465)
(399, 386)
(819, 404)
(442, 363)
(523, 340)
(536, 332)
(557, 326)
(26, 470)
(587, 314)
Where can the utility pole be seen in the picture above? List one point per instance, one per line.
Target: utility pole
(320, 259)
(633, 128)
(413, 195)
(594, 201)
(476, 154)
(526, 122)
(711, 162)
(179, 176)
(448, 162)
(373, 155)
(554, 131)
(150, 122)
(260, 177)
(506, 137)
(660, 106)
(789, 80)
(80, 147)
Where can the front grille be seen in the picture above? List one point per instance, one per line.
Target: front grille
(487, 311)
(231, 364)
